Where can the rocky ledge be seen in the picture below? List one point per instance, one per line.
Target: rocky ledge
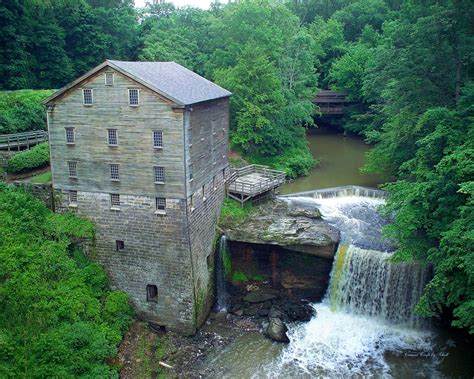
(289, 225)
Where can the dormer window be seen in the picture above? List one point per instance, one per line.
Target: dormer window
(87, 96)
(109, 78)
(133, 97)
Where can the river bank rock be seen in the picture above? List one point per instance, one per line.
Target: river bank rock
(276, 330)
(287, 224)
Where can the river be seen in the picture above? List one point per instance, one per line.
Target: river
(341, 158)
(365, 326)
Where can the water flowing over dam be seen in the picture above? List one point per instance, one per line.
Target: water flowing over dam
(366, 324)
(368, 310)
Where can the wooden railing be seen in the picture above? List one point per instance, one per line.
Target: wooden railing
(18, 140)
(263, 180)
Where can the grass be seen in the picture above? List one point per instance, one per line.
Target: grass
(45, 177)
(233, 213)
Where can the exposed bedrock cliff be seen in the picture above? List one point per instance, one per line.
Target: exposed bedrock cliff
(286, 224)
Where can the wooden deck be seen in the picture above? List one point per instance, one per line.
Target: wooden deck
(19, 140)
(249, 182)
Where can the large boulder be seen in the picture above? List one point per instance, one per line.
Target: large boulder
(276, 330)
(296, 227)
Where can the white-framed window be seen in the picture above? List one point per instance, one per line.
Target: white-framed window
(87, 96)
(70, 136)
(133, 97)
(72, 195)
(157, 139)
(159, 174)
(112, 137)
(72, 169)
(160, 203)
(109, 78)
(114, 172)
(191, 173)
(115, 200)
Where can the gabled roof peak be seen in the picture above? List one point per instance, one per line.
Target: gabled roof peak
(169, 79)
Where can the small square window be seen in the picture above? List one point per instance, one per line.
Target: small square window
(72, 169)
(115, 200)
(87, 96)
(72, 197)
(119, 245)
(114, 172)
(112, 137)
(109, 78)
(159, 174)
(133, 97)
(191, 174)
(160, 203)
(151, 293)
(70, 136)
(157, 139)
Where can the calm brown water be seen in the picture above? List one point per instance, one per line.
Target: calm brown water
(341, 158)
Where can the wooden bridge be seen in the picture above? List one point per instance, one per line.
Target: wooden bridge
(254, 181)
(331, 102)
(19, 140)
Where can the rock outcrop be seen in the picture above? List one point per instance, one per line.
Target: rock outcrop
(288, 225)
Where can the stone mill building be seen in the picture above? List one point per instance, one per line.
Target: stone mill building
(140, 148)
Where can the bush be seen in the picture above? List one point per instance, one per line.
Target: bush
(36, 157)
(232, 212)
(295, 161)
(22, 111)
(58, 316)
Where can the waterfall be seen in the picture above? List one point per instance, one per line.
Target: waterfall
(221, 286)
(365, 282)
(368, 310)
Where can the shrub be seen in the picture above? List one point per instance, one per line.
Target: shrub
(58, 316)
(22, 111)
(232, 212)
(36, 157)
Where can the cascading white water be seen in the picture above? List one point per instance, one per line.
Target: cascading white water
(222, 295)
(369, 306)
(366, 282)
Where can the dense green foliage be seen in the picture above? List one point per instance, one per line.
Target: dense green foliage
(407, 65)
(412, 80)
(57, 316)
(22, 111)
(46, 44)
(38, 156)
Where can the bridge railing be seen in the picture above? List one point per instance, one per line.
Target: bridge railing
(18, 140)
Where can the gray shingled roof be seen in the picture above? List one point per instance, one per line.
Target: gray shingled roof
(174, 81)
